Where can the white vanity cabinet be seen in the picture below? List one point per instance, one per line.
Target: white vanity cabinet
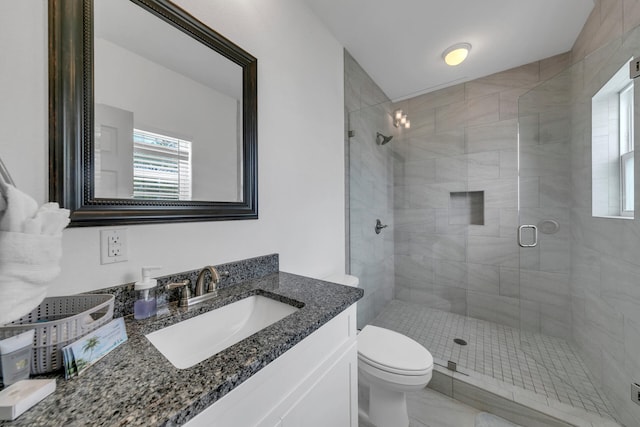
(313, 384)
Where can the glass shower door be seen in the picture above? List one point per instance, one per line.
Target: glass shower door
(544, 180)
(551, 122)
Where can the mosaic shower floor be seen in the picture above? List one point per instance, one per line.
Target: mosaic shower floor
(497, 351)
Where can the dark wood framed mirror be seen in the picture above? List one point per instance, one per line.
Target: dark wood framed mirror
(221, 177)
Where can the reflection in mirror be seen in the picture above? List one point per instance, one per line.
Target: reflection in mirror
(168, 111)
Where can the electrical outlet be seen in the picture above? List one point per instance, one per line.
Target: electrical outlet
(113, 246)
(114, 250)
(635, 393)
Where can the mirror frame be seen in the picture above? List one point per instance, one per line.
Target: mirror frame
(71, 123)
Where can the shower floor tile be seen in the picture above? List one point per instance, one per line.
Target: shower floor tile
(501, 352)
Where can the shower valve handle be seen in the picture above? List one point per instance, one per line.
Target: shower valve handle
(379, 226)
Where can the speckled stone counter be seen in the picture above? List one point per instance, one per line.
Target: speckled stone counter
(136, 386)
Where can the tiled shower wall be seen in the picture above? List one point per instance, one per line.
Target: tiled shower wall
(370, 189)
(464, 139)
(605, 252)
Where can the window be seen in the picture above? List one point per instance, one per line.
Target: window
(626, 150)
(161, 167)
(612, 147)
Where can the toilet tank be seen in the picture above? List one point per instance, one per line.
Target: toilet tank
(343, 279)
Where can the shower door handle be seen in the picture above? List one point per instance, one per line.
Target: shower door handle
(535, 236)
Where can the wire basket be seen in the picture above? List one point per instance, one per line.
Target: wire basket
(59, 321)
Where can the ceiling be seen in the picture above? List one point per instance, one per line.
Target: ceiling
(400, 42)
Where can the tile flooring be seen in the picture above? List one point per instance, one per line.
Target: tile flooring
(497, 351)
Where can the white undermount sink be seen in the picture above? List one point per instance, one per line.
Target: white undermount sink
(193, 340)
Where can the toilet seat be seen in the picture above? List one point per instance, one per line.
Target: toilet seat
(393, 353)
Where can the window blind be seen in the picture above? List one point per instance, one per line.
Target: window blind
(161, 167)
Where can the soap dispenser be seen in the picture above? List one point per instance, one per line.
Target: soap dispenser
(145, 304)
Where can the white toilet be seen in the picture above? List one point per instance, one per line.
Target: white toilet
(390, 364)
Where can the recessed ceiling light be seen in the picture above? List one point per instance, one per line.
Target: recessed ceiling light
(456, 54)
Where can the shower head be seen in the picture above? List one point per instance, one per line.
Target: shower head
(381, 139)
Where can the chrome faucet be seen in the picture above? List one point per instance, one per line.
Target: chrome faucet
(213, 283)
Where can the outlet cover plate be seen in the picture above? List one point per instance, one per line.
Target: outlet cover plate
(113, 246)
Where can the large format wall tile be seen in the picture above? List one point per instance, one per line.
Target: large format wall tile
(503, 310)
(445, 143)
(620, 286)
(500, 82)
(445, 96)
(423, 124)
(492, 251)
(630, 15)
(483, 165)
(496, 136)
(451, 273)
(510, 282)
(544, 160)
(484, 278)
(550, 67)
(451, 169)
(483, 110)
(498, 193)
(451, 116)
(547, 288)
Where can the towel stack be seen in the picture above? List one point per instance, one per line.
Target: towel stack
(30, 251)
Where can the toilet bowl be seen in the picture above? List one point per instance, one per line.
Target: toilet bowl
(389, 364)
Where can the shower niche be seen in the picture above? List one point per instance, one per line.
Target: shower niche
(466, 208)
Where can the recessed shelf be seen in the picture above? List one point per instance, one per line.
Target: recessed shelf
(466, 208)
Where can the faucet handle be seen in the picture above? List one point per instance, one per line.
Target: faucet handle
(185, 294)
(213, 284)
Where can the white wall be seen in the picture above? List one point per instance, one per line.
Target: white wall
(301, 164)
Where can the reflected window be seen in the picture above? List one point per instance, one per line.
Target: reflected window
(161, 167)
(612, 147)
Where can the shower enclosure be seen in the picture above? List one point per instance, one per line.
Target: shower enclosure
(487, 198)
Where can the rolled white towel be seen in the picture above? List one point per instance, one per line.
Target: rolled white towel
(32, 226)
(49, 220)
(30, 251)
(19, 207)
(28, 263)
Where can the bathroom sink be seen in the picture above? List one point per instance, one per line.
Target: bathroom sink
(193, 340)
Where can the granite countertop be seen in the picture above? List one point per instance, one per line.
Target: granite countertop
(135, 385)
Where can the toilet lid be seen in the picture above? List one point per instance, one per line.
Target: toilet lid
(393, 352)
